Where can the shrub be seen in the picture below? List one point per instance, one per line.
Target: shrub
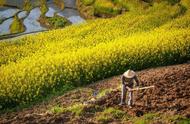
(77, 109)
(57, 21)
(57, 110)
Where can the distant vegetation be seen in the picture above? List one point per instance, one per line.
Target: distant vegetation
(27, 5)
(54, 22)
(110, 8)
(60, 4)
(34, 66)
(17, 26)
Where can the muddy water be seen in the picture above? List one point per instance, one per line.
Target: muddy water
(4, 27)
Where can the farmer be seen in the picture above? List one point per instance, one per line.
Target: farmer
(128, 79)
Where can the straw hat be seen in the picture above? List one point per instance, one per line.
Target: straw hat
(129, 74)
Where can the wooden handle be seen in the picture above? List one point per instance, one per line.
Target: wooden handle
(142, 88)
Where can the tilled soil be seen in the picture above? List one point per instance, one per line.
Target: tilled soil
(171, 95)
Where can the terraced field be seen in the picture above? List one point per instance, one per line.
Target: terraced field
(38, 66)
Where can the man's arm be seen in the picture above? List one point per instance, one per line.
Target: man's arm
(137, 81)
(123, 79)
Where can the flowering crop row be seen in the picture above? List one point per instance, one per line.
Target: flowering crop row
(37, 75)
(88, 34)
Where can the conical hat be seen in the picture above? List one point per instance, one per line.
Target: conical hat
(129, 74)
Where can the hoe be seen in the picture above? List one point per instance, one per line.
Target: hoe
(142, 88)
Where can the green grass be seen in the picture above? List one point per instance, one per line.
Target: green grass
(183, 121)
(146, 119)
(109, 114)
(56, 110)
(103, 93)
(34, 67)
(76, 109)
(152, 118)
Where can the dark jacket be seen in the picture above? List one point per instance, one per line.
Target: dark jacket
(130, 82)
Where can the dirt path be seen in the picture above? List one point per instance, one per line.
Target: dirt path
(170, 96)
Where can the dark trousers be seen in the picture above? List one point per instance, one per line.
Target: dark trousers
(123, 96)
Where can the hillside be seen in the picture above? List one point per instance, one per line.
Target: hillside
(168, 103)
(38, 66)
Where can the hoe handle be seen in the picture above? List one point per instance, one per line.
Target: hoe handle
(142, 88)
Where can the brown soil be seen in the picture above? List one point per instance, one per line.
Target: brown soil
(171, 96)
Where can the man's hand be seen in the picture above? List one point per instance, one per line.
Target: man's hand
(128, 88)
(137, 88)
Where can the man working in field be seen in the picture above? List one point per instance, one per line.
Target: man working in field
(128, 79)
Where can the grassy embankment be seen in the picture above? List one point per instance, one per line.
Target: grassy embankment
(52, 22)
(17, 25)
(34, 66)
(110, 8)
